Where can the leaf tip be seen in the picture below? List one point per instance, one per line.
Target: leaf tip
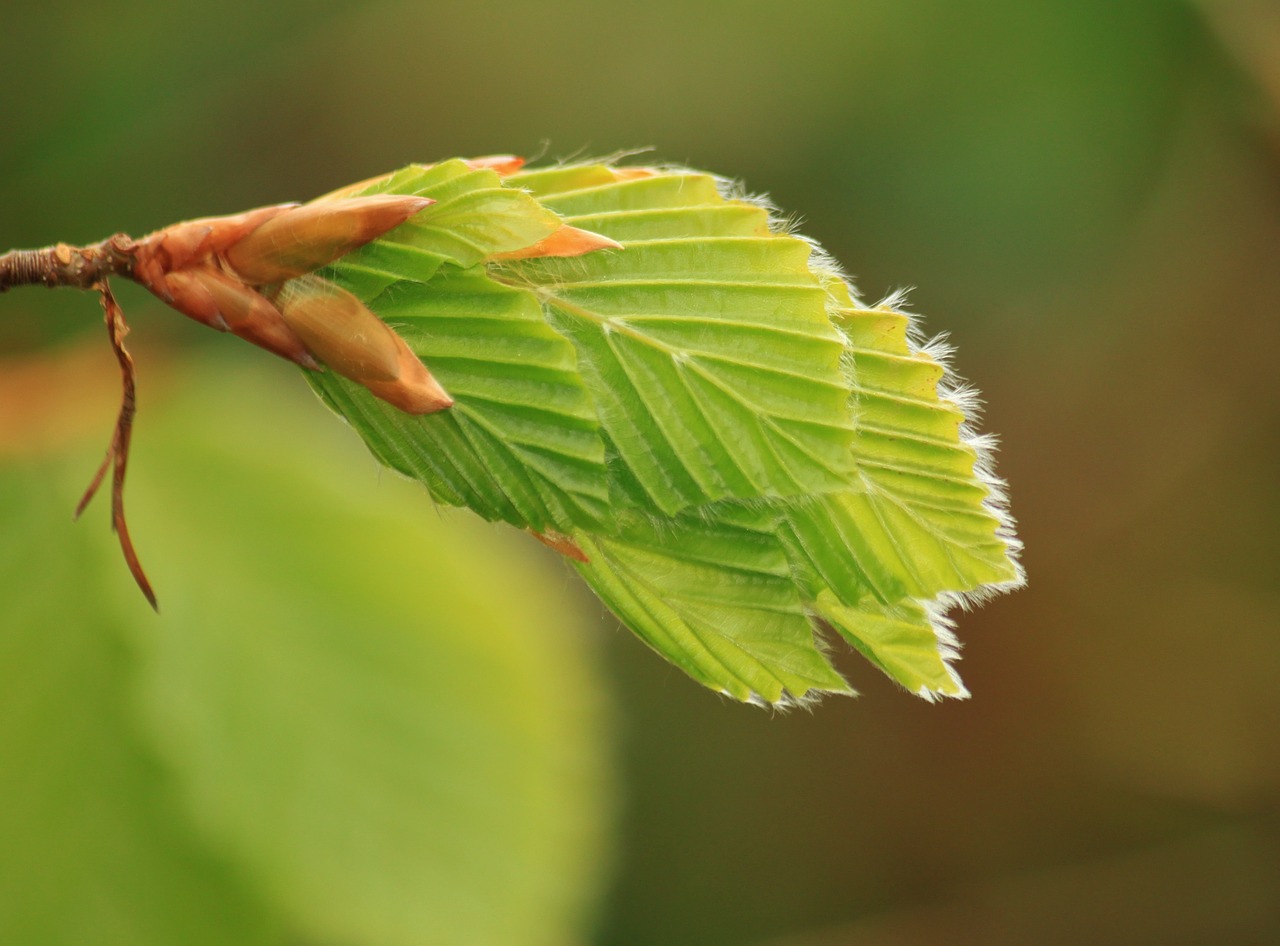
(504, 164)
(562, 544)
(566, 241)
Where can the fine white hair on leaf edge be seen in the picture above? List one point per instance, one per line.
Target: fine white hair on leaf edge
(951, 388)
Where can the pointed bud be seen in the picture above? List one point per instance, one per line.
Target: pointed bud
(341, 331)
(305, 238)
(188, 293)
(252, 317)
(183, 244)
(191, 242)
(235, 227)
(416, 391)
(153, 259)
(215, 299)
(567, 241)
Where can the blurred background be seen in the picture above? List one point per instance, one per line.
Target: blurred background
(1085, 195)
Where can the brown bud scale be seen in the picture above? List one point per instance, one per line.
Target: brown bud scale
(341, 331)
(305, 238)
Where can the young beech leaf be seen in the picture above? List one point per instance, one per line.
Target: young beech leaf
(642, 367)
(696, 410)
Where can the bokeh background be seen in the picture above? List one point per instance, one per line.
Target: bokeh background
(1084, 193)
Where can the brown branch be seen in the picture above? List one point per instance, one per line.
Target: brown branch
(78, 267)
(87, 267)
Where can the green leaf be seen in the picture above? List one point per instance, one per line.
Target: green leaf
(522, 443)
(388, 748)
(474, 216)
(929, 508)
(682, 340)
(705, 342)
(739, 447)
(94, 847)
(716, 600)
(919, 527)
(335, 733)
(909, 643)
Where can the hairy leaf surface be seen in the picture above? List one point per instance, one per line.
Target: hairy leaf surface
(717, 600)
(737, 452)
(710, 354)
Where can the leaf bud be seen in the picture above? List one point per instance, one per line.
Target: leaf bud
(305, 238)
(221, 302)
(341, 331)
(193, 241)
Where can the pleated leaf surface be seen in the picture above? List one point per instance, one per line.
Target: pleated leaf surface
(706, 341)
(739, 452)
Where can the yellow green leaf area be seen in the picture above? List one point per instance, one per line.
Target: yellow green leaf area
(742, 451)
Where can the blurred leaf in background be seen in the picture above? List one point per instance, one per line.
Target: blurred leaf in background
(335, 733)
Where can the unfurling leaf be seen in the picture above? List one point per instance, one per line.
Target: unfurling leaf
(644, 369)
(657, 379)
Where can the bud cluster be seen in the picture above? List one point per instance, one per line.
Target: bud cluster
(248, 274)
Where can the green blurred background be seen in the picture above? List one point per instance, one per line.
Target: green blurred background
(1086, 194)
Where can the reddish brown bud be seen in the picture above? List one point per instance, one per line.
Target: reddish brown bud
(341, 331)
(190, 242)
(305, 238)
(210, 296)
(416, 391)
(567, 241)
(252, 317)
(187, 293)
(181, 244)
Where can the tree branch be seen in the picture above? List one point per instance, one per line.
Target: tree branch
(77, 267)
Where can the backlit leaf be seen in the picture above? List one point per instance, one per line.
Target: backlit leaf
(743, 452)
(715, 599)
